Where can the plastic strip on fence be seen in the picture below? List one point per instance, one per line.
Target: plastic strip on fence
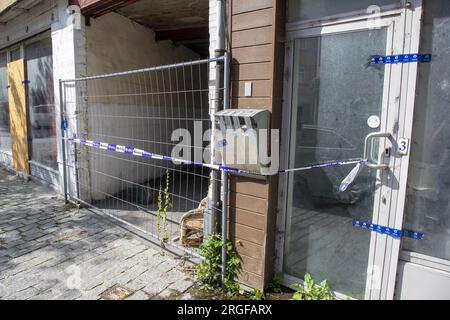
(149, 155)
(348, 180)
(395, 233)
(401, 58)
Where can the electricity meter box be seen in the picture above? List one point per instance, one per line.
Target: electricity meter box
(242, 138)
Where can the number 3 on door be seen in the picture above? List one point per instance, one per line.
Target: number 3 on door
(403, 146)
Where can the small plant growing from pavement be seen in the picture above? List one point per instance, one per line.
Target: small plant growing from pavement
(276, 282)
(310, 291)
(256, 295)
(209, 270)
(163, 207)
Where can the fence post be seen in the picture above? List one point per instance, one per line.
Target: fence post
(63, 139)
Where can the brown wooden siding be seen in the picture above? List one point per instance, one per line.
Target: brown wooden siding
(248, 248)
(252, 71)
(250, 5)
(249, 203)
(249, 278)
(247, 218)
(252, 103)
(247, 233)
(252, 37)
(248, 186)
(252, 20)
(256, 30)
(253, 54)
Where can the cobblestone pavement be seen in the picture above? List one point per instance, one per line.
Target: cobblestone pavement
(52, 251)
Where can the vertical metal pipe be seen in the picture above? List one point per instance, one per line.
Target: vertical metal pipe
(221, 25)
(63, 137)
(214, 205)
(224, 175)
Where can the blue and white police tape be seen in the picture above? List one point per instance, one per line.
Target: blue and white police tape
(401, 58)
(142, 153)
(348, 180)
(395, 233)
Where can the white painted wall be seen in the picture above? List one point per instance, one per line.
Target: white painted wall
(114, 44)
(69, 62)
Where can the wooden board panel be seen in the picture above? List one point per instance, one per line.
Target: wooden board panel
(252, 37)
(18, 115)
(257, 51)
(249, 186)
(239, 231)
(248, 248)
(240, 6)
(252, 265)
(252, 71)
(249, 203)
(262, 53)
(260, 88)
(250, 279)
(252, 103)
(250, 20)
(247, 218)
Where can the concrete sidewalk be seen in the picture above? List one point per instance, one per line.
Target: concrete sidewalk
(52, 251)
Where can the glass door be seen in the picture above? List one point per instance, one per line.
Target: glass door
(5, 134)
(338, 100)
(41, 105)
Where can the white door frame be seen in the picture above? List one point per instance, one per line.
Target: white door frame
(413, 16)
(399, 100)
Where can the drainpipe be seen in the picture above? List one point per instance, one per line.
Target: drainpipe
(224, 175)
(214, 205)
(220, 191)
(222, 100)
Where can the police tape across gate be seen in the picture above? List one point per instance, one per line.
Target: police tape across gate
(348, 180)
(145, 154)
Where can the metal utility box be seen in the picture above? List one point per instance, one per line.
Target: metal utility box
(241, 135)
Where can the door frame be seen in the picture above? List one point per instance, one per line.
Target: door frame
(401, 104)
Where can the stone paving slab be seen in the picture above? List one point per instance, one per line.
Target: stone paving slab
(49, 250)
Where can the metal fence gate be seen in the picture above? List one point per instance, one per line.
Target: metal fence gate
(119, 132)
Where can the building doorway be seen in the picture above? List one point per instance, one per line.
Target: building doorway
(341, 105)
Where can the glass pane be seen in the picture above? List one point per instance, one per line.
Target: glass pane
(428, 193)
(314, 9)
(15, 54)
(335, 91)
(41, 102)
(5, 136)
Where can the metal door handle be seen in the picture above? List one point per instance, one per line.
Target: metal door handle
(421, 188)
(370, 162)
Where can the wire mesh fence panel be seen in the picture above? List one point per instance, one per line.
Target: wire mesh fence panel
(120, 132)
